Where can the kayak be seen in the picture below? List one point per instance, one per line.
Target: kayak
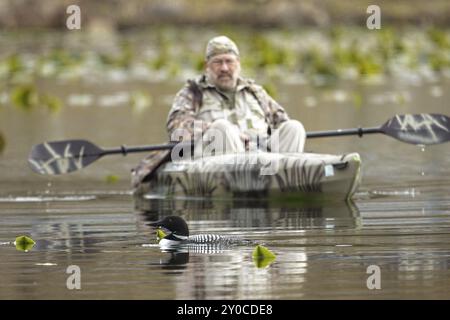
(299, 176)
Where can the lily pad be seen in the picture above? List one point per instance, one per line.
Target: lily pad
(24, 243)
(24, 97)
(140, 101)
(159, 234)
(111, 178)
(262, 257)
(15, 64)
(51, 102)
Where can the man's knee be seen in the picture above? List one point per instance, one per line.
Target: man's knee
(221, 124)
(222, 137)
(293, 126)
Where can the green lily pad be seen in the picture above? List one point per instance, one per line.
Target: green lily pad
(24, 97)
(112, 179)
(140, 101)
(24, 243)
(53, 103)
(262, 257)
(14, 64)
(159, 234)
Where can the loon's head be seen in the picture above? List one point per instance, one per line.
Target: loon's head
(175, 225)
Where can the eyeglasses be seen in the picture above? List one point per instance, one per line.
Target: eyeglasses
(218, 62)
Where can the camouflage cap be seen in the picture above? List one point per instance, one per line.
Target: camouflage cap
(220, 45)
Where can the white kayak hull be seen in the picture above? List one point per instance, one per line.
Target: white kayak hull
(302, 176)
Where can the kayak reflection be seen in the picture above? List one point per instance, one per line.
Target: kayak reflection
(247, 216)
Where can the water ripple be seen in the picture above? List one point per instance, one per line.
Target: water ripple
(24, 199)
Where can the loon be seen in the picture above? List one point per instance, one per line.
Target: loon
(179, 236)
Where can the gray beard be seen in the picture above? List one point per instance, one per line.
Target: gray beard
(219, 86)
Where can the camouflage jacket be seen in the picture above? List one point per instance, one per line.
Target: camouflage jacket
(252, 109)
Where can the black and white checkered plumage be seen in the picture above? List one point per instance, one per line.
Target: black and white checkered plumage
(179, 236)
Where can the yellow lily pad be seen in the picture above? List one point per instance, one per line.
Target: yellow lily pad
(111, 178)
(24, 243)
(262, 257)
(159, 234)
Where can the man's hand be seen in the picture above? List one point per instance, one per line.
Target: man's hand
(253, 141)
(192, 130)
(245, 139)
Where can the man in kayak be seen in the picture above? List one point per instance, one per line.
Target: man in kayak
(223, 109)
(221, 103)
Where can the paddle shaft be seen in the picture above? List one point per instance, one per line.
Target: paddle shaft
(125, 150)
(344, 132)
(315, 134)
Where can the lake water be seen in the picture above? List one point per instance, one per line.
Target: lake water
(399, 219)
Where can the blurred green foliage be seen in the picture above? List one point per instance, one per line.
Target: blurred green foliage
(271, 89)
(24, 96)
(27, 97)
(53, 103)
(14, 64)
(121, 59)
(318, 56)
(329, 53)
(140, 101)
(439, 38)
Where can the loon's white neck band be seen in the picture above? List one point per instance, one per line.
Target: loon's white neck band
(176, 237)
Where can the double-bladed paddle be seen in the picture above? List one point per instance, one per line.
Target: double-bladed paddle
(60, 157)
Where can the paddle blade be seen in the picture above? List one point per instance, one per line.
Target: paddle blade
(420, 129)
(60, 157)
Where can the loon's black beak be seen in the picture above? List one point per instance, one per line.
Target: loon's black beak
(171, 224)
(156, 224)
(160, 225)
